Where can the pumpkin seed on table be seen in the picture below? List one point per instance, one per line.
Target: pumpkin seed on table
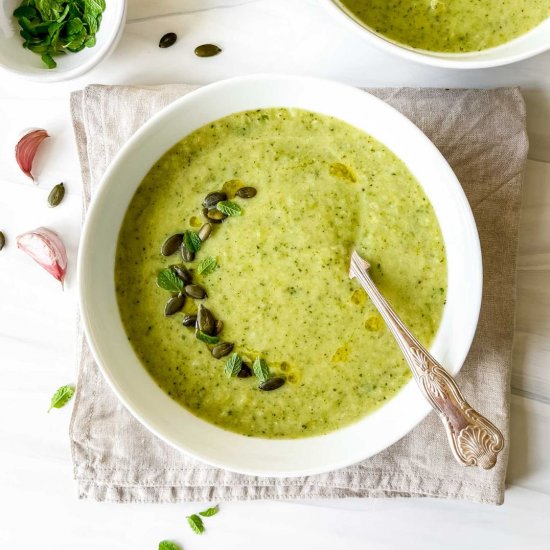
(221, 350)
(205, 321)
(174, 304)
(169, 39)
(171, 244)
(183, 273)
(2, 240)
(56, 195)
(189, 321)
(196, 292)
(246, 192)
(214, 198)
(272, 384)
(207, 50)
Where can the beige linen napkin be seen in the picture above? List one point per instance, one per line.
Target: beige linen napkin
(482, 135)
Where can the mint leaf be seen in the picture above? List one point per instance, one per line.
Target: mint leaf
(261, 370)
(25, 11)
(233, 366)
(53, 27)
(200, 335)
(168, 545)
(61, 397)
(168, 280)
(210, 512)
(196, 524)
(48, 61)
(229, 208)
(192, 241)
(207, 266)
(74, 26)
(49, 9)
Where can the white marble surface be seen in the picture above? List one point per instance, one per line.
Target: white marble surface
(38, 508)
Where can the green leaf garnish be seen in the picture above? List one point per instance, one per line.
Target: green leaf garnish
(233, 365)
(61, 397)
(48, 60)
(210, 512)
(200, 335)
(196, 524)
(168, 545)
(168, 280)
(53, 27)
(192, 241)
(229, 208)
(207, 266)
(261, 370)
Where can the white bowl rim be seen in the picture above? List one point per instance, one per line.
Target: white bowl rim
(86, 249)
(111, 42)
(450, 61)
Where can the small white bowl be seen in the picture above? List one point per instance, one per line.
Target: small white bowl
(528, 45)
(26, 64)
(103, 325)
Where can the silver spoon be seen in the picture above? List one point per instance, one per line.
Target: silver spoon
(473, 439)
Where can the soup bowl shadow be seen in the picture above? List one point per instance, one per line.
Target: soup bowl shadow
(117, 359)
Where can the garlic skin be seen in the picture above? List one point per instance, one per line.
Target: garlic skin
(26, 148)
(46, 248)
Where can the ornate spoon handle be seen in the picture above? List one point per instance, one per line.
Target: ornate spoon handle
(473, 439)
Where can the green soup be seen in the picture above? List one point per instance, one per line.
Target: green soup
(450, 25)
(281, 287)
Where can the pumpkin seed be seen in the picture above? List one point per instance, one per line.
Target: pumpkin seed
(195, 291)
(245, 371)
(204, 231)
(272, 384)
(169, 39)
(189, 321)
(205, 320)
(186, 254)
(171, 244)
(56, 195)
(214, 198)
(246, 192)
(207, 50)
(2, 240)
(219, 326)
(215, 215)
(221, 350)
(182, 272)
(174, 304)
(205, 212)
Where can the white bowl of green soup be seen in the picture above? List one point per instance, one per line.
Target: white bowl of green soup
(465, 34)
(288, 369)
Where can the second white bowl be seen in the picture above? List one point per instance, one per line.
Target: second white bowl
(26, 64)
(528, 45)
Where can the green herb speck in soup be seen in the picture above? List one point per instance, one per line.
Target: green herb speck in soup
(451, 26)
(248, 317)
